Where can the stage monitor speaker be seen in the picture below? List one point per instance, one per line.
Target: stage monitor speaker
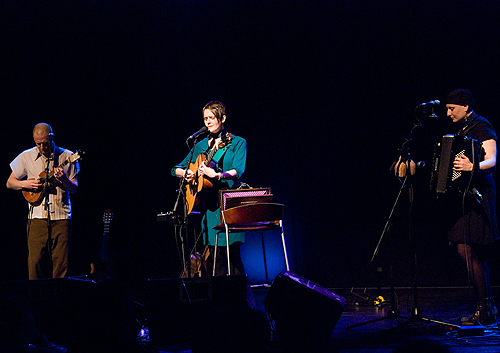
(181, 310)
(302, 311)
(57, 305)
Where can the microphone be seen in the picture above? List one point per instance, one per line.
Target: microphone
(198, 133)
(51, 136)
(477, 195)
(436, 102)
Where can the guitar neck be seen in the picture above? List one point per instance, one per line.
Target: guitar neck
(211, 155)
(224, 142)
(105, 243)
(51, 173)
(63, 163)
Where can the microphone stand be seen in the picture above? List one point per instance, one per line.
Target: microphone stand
(416, 314)
(394, 313)
(402, 159)
(47, 202)
(180, 219)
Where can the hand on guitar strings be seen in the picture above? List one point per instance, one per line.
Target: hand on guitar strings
(205, 170)
(59, 173)
(190, 176)
(60, 177)
(32, 184)
(62, 180)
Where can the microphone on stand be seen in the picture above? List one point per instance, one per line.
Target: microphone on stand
(432, 114)
(436, 102)
(431, 105)
(477, 195)
(198, 133)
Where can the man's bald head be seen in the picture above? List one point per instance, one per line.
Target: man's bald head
(42, 129)
(42, 134)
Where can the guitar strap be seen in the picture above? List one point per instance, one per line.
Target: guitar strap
(57, 153)
(220, 152)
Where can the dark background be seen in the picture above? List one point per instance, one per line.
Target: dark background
(324, 92)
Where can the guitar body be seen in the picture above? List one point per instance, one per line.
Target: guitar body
(35, 198)
(197, 264)
(199, 183)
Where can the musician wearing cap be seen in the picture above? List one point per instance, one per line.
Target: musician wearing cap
(46, 174)
(474, 224)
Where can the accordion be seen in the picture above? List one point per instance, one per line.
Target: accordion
(444, 179)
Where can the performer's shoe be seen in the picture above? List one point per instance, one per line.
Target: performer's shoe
(485, 314)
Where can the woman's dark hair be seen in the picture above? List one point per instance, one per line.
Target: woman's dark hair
(217, 108)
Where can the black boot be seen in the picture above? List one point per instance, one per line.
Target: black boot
(485, 313)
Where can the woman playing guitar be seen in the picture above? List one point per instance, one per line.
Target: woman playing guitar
(218, 161)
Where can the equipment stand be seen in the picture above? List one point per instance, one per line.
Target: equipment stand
(393, 313)
(46, 206)
(180, 217)
(403, 167)
(416, 314)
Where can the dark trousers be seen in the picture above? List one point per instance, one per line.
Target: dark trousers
(48, 248)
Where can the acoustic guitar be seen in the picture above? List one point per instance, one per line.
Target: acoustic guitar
(197, 265)
(36, 197)
(201, 182)
(99, 268)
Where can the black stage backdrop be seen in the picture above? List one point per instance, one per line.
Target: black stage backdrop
(323, 91)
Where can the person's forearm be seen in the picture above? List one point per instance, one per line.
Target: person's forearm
(15, 184)
(179, 172)
(487, 164)
(70, 185)
(230, 174)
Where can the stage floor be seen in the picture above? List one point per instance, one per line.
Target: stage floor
(446, 305)
(389, 334)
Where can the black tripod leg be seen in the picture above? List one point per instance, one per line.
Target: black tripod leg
(416, 315)
(366, 322)
(415, 318)
(440, 322)
(392, 315)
